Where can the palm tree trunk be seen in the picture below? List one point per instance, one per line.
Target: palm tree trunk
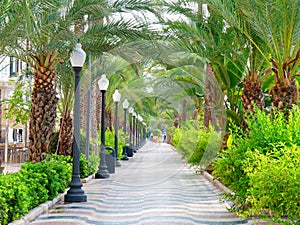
(284, 94)
(209, 102)
(252, 94)
(108, 120)
(43, 113)
(66, 134)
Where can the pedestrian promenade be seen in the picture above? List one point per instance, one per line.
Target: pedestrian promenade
(153, 187)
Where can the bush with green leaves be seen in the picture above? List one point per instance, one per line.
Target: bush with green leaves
(15, 197)
(196, 143)
(156, 132)
(274, 181)
(175, 133)
(110, 141)
(33, 184)
(265, 135)
(89, 167)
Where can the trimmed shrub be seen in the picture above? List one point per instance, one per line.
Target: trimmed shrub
(32, 185)
(252, 151)
(15, 198)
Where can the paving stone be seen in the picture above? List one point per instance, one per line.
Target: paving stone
(153, 187)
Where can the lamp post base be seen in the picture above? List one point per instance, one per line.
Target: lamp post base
(75, 194)
(102, 174)
(117, 163)
(75, 198)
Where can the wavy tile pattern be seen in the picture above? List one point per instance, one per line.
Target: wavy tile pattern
(153, 187)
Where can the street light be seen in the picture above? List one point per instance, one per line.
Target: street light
(125, 107)
(144, 132)
(102, 169)
(140, 130)
(130, 110)
(75, 193)
(134, 140)
(117, 98)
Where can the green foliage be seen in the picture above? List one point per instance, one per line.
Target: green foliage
(15, 198)
(93, 163)
(274, 180)
(156, 132)
(254, 159)
(188, 139)
(18, 108)
(175, 133)
(195, 142)
(84, 169)
(31, 186)
(110, 140)
(208, 145)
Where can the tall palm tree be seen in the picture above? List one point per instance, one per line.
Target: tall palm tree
(45, 25)
(276, 23)
(222, 49)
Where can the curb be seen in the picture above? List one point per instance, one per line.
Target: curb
(45, 207)
(37, 211)
(216, 182)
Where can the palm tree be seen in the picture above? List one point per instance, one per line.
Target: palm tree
(46, 27)
(206, 37)
(276, 23)
(65, 87)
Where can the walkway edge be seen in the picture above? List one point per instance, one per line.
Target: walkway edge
(37, 211)
(216, 182)
(44, 207)
(211, 179)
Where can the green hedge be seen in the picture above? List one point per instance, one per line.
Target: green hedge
(196, 143)
(36, 183)
(31, 186)
(261, 166)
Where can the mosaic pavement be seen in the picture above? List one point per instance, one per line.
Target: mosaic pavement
(153, 187)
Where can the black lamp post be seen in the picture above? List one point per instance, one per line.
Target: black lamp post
(117, 98)
(75, 193)
(140, 131)
(134, 131)
(125, 107)
(130, 110)
(102, 169)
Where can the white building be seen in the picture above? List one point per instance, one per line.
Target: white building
(10, 68)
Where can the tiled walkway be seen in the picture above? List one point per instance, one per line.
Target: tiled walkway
(153, 187)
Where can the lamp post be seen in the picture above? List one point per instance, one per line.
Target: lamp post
(134, 131)
(102, 169)
(144, 132)
(117, 98)
(75, 193)
(137, 132)
(140, 131)
(125, 107)
(130, 110)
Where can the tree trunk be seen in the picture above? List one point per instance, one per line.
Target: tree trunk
(252, 94)
(43, 113)
(284, 94)
(108, 120)
(209, 100)
(66, 134)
